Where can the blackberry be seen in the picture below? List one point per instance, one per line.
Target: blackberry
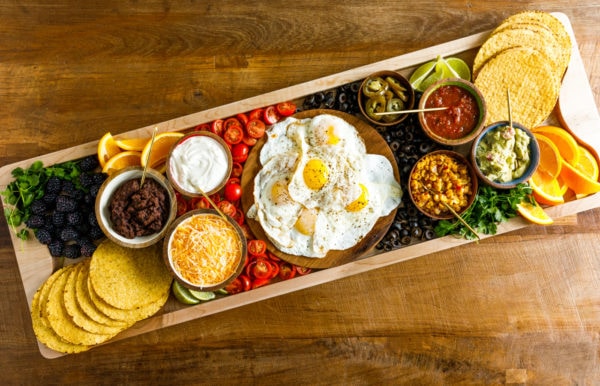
(43, 235)
(86, 180)
(95, 233)
(58, 219)
(50, 199)
(92, 220)
(89, 163)
(74, 218)
(88, 249)
(56, 248)
(99, 178)
(65, 204)
(38, 207)
(94, 190)
(35, 221)
(53, 185)
(71, 251)
(68, 233)
(77, 195)
(88, 199)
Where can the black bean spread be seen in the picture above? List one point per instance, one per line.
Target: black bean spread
(139, 212)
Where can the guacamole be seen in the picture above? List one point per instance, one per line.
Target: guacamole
(503, 154)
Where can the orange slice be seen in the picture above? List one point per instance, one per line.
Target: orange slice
(107, 148)
(577, 181)
(564, 141)
(160, 149)
(534, 213)
(122, 160)
(588, 165)
(547, 192)
(136, 144)
(550, 159)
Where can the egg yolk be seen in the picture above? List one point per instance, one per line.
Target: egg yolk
(279, 193)
(315, 173)
(332, 139)
(361, 202)
(306, 221)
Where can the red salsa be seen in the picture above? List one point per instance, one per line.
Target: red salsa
(461, 116)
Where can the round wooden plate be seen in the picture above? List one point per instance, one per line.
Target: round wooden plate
(375, 144)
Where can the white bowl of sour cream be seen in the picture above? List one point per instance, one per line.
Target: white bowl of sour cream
(199, 162)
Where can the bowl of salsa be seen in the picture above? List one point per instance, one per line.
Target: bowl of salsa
(464, 116)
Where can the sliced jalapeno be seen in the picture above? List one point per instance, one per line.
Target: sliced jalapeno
(375, 86)
(376, 104)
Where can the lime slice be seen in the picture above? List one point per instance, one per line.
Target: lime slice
(202, 295)
(183, 294)
(431, 79)
(459, 68)
(421, 73)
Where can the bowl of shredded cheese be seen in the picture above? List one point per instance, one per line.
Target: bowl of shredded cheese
(205, 251)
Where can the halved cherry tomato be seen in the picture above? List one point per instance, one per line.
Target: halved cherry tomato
(257, 247)
(272, 256)
(260, 282)
(303, 270)
(235, 287)
(256, 114)
(247, 232)
(239, 216)
(243, 118)
(232, 191)
(233, 180)
(271, 116)
(202, 127)
(227, 208)
(286, 270)
(255, 128)
(233, 134)
(260, 269)
(285, 109)
(236, 169)
(217, 127)
(239, 152)
(230, 122)
(199, 203)
(249, 140)
(182, 204)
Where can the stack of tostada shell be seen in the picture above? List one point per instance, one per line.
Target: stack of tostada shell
(87, 303)
(527, 56)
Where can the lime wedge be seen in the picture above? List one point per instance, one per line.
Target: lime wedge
(202, 295)
(420, 74)
(183, 294)
(431, 79)
(459, 68)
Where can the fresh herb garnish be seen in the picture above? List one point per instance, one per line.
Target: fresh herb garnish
(28, 185)
(491, 207)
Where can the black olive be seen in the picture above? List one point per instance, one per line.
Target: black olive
(429, 234)
(425, 147)
(416, 232)
(404, 232)
(405, 240)
(395, 145)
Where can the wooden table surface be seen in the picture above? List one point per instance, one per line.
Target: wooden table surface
(523, 307)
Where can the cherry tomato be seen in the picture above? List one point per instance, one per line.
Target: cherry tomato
(235, 287)
(260, 269)
(260, 282)
(239, 152)
(227, 208)
(199, 203)
(233, 134)
(303, 270)
(215, 197)
(243, 118)
(257, 247)
(239, 216)
(256, 114)
(233, 180)
(285, 109)
(271, 116)
(182, 205)
(255, 128)
(236, 169)
(272, 256)
(230, 122)
(217, 127)
(247, 231)
(249, 140)
(286, 270)
(202, 127)
(232, 191)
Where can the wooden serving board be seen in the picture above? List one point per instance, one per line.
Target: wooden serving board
(576, 110)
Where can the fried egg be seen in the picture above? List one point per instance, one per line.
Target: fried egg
(318, 189)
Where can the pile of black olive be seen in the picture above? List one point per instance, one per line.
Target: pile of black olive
(408, 143)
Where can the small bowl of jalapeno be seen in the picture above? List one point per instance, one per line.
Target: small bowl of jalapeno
(383, 95)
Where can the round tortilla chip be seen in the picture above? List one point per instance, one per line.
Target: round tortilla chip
(41, 328)
(550, 22)
(75, 312)
(60, 321)
(540, 39)
(128, 278)
(533, 86)
(88, 306)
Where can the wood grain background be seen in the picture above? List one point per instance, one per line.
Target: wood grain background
(519, 308)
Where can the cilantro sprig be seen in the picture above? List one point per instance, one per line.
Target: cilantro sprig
(490, 208)
(29, 185)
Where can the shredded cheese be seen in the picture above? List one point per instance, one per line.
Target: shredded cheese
(205, 250)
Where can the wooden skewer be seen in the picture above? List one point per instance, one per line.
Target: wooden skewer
(411, 111)
(148, 156)
(509, 108)
(458, 217)
(211, 202)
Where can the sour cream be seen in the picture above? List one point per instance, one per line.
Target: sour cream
(199, 161)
